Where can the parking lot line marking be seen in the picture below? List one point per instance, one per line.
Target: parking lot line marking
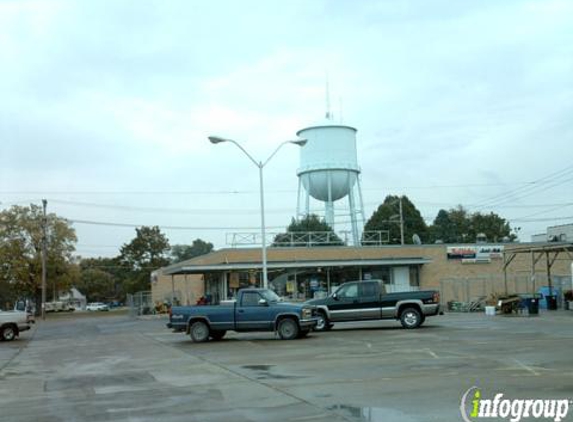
(527, 368)
(435, 356)
(309, 418)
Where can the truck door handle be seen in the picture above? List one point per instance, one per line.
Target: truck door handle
(241, 311)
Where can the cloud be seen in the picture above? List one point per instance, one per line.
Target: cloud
(120, 96)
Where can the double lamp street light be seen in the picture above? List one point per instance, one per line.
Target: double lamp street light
(260, 165)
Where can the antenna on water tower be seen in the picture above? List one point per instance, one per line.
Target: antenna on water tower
(328, 114)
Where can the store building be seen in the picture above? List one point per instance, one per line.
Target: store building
(307, 272)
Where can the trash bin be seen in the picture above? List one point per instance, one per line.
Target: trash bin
(532, 305)
(551, 302)
(546, 291)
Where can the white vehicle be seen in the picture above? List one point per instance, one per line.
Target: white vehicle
(97, 306)
(12, 323)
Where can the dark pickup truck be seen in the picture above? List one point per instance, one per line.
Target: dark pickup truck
(368, 300)
(254, 310)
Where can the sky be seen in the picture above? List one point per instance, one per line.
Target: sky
(106, 106)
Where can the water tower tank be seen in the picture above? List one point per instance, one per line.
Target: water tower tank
(329, 170)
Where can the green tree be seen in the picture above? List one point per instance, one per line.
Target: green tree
(494, 227)
(101, 279)
(442, 228)
(387, 217)
(459, 225)
(322, 234)
(21, 253)
(145, 253)
(451, 226)
(183, 252)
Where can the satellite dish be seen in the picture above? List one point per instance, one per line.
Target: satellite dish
(416, 239)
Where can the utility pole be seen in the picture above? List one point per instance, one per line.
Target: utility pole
(44, 254)
(401, 224)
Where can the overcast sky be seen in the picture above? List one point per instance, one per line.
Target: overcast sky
(105, 108)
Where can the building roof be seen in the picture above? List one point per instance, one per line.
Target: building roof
(250, 258)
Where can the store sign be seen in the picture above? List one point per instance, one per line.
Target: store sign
(475, 252)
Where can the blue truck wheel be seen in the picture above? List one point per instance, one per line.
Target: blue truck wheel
(288, 329)
(199, 332)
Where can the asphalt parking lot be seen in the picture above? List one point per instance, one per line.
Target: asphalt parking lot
(113, 368)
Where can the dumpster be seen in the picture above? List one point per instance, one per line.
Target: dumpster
(551, 302)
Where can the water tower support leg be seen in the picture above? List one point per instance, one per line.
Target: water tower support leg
(355, 238)
(298, 211)
(329, 206)
(361, 210)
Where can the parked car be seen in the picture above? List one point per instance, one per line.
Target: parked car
(97, 306)
(254, 310)
(368, 300)
(12, 323)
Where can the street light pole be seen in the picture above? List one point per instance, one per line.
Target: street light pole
(260, 165)
(401, 224)
(263, 229)
(44, 254)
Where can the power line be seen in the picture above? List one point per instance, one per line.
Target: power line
(225, 211)
(528, 190)
(240, 192)
(539, 220)
(130, 225)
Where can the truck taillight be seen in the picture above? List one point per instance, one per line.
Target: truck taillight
(170, 312)
(436, 297)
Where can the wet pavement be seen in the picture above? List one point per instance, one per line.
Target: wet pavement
(112, 368)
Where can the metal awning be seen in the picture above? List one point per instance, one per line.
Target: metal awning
(244, 266)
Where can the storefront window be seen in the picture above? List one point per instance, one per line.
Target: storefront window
(415, 275)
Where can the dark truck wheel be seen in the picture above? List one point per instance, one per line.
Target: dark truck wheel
(288, 329)
(199, 332)
(411, 318)
(8, 332)
(323, 323)
(217, 334)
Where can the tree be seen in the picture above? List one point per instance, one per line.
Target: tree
(183, 252)
(145, 253)
(100, 279)
(322, 234)
(387, 217)
(442, 227)
(494, 227)
(21, 253)
(459, 225)
(452, 226)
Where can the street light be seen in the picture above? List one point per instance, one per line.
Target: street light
(260, 165)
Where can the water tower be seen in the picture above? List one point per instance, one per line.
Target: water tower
(329, 173)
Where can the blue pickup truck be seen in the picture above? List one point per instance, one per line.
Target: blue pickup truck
(254, 310)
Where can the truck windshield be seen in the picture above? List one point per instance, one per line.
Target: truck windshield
(271, 296)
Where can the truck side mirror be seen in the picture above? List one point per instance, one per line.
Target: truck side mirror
(263, 302)
(335, 296)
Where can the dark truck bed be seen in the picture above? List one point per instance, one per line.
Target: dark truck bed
(368, 300)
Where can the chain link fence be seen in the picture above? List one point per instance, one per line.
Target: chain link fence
(140, 303)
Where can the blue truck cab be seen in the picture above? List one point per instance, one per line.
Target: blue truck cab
(253, 310)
